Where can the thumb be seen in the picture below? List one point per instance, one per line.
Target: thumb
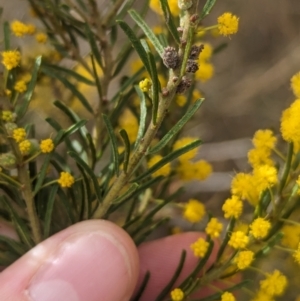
(92, 260)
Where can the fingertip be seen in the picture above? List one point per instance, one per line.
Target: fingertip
(87, 261)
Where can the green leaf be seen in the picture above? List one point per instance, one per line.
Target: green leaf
(126, 143)
(136, 43)
(98, 84)
(89, 172)
(42, 173)
(122, 58)
(169, 158)
(73, 128)
(71, 87)
(217, 296)
(155, 86)
(13, 246)
(30, 89)
(175, 276)
(169, 20)
(94, 47)
(113, 141)
(19, 225)
(67, 71)
(128, 194)
(49, 210)
(147, 30)
(229, 230)
(6, 32)
(143, 115)
(65, 202)
(199, 266)
(187, 51)
(142, 288)
(177, 127)
(86, 195)
(92, 148)
(207, 8)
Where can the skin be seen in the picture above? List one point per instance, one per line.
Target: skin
(96, 260)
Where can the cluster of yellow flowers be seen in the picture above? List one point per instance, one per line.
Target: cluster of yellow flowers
(20, 29)
(187, 170)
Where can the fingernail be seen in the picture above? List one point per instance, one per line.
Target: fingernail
(92, 267)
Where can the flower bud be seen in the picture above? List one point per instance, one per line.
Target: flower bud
(170, 57)
(195, 52)
(183, 85)
(192, 66)
(8, 161)
(10, 127)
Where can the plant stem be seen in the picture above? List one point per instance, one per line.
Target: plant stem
(164, 103)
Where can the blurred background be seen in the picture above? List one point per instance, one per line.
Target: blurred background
(249, 90)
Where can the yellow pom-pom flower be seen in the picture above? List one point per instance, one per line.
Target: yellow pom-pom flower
(173, 4)
(41, 37)
(274, 284)
(194, 211)
(24, 147)
(214, 228)
(244, 259)
(199, 170)
(260, 228)
(20, 86)
(11, 59)
(296, 254)
(129, 123)
(264, 138)
(7, 116)
(66, 179)
(228, 24)
(47, 146)
(177, 294)
(206, 53)
(233, 207)
(238, 240)
(30, 29)
(295, 84)
(205, 72)
(226, 296)
(145, 85)
(200, 247)
(266, 176)
(183, 142)
(163, 171)
(19, 134)
(290, 125)
(18, 28)
(260, 156)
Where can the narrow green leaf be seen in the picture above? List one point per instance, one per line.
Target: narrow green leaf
(123, 58)
(229, 230)
(176, 274)
(46, 161)
(89, 172)
(131, 190)
(137, 192)
(28, 95)
(65, 202)
(147, 30)
(135, 43)
(199, 266)
(207, 8)
(169, 158)
(142, 288)
(125, 9)
(113, 142)
(145, 45)
(19, 225)
(86, 195)
(187, 51)
(155, 86)
(169, 20)
(13, 246)
(70, 72)
(113, 34)
(217, 296)
(92, 149)
(70, 86)
(98, 84)
(141, 238)
(126, 143)
(94, 47)
(143, 114)
(49, 210)
(6, 32)
(73, 128)
(177, 127)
